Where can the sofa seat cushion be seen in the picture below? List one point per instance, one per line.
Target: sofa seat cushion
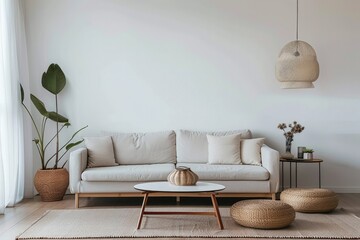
(129, 173)
(228, 172)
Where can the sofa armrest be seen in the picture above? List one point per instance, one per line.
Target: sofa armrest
(77, 164)
(270, 160)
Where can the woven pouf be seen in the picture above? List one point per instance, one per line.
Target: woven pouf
(263, 214)
(312, 200)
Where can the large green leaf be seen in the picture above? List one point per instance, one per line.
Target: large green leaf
(40, 106)
(71, 145)
(54, 79)
(78, 131)
(22, 93)
(57, 117)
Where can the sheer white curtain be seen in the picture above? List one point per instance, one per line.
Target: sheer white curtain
(13, 70)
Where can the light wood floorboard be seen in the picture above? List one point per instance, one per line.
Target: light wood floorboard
(19, 218)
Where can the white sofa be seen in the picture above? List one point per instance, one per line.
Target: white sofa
(152, 156)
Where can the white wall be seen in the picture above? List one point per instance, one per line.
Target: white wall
(153, 65)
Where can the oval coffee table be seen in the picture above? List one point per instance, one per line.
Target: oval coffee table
(166, 189)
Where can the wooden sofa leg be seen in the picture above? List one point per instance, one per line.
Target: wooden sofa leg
(76, 200)
(273, 196)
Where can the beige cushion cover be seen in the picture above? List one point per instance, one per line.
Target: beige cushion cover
(100, 151)
(145, 148)
(210, 172)
(224, 149)
(251, 150)
(192, 146)
(129, 173)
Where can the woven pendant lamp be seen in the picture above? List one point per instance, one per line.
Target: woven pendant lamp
(297, 65)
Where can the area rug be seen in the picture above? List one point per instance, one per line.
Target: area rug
(121, 223)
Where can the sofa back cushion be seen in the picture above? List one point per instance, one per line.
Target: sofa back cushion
(100, 151)
(192, 146)
(145, 148)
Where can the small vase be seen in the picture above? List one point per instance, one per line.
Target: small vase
(288, 154)
(183, 176)
(308, 156)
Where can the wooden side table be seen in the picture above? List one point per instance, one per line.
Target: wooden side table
(296, 161)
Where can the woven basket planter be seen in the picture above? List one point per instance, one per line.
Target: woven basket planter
(51, 184)
(313, 200)
(182, 176)
(262, 214)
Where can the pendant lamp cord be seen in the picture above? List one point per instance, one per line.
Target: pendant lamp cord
(297, 20)
(297, 53)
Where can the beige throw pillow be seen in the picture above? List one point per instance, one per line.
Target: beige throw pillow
(100, 151)
(250, 150)
(224, 149)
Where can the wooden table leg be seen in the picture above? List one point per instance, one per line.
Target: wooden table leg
(282, 176)
(290, 168)
(76, 200)
(319, 175)
(296, 174)
(142, 209)
(217, 212)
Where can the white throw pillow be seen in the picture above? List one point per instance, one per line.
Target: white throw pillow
(100, 151)
(251, 150)
(192, 146)
(224, 149)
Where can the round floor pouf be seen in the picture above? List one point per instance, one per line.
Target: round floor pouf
(263, 214)
(312, 200)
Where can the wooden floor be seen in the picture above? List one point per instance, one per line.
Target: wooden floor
(18, 219)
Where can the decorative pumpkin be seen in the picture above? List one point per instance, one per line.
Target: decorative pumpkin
(182, 176)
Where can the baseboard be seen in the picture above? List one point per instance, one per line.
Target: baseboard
(335, 189)
(345, 189)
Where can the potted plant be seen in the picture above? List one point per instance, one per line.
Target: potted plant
(52, 180)
(308, 153)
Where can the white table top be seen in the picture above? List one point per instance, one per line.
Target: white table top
(168, 187)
